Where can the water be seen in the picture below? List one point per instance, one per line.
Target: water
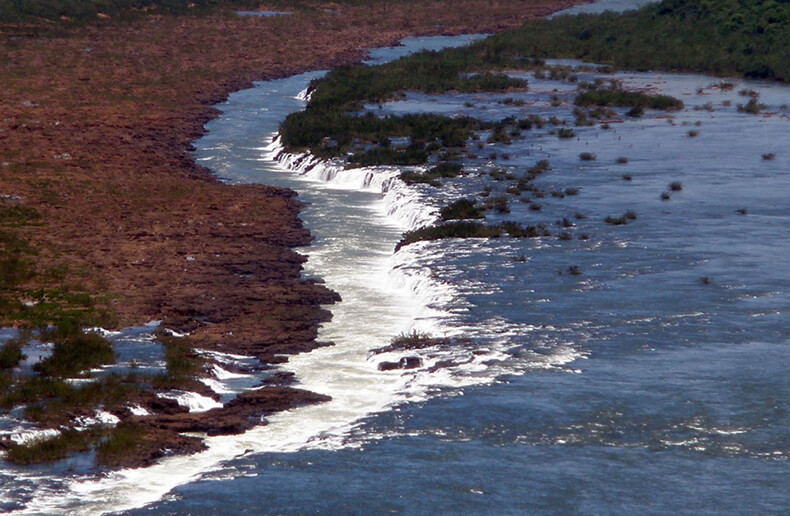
(653, 382)
(598, 6)
(633, 387)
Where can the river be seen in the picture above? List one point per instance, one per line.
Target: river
(653, 382)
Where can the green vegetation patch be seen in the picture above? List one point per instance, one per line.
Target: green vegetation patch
(334, 132)
(74, 353)
(11, 353)
(470, 229)
(622, 98)
(722, 37)
(15, 264)
(427, 71)
(432, 175)
(23, 304)
(17, 215)
(461, 229)
(329, 127)
(462, 209)
(49, 449)
(183, 364)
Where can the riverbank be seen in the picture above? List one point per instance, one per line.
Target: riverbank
(121, 226)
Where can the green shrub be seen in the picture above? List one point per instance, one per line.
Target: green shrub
(565, 133)
(461, 229)
(724, 38)
(432, 176)
(74, 353)
(49, 449)
(636, 111)
(623, 98)
(388, 156)
(180, 357)
(461, 209)
(411, 340)
(11, 353)
(30, 389)
(752, 107)
(516, 230)
(498, 203)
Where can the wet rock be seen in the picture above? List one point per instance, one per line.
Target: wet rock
(404, 363)
(165, 406)
(156, 444)
(282, 379)
(242, 413)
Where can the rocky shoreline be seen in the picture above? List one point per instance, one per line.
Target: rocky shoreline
(96, 127)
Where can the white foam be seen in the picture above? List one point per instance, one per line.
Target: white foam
(191, 400)
(137, 410)
(304, 95)
(174, 333)
(224, 358)
(31, 435)
(429, 300)
(223, 374)
(100, 418)
(103, 332)
(402, 204)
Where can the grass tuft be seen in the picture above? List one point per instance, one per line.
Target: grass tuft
(461, 209)
(49, 449)
(74, 353)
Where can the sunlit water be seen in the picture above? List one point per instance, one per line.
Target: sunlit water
(655, 381)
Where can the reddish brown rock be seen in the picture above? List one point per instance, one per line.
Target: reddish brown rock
(240, 414)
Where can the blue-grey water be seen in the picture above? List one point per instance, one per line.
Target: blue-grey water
(674, 395)
(653, 382)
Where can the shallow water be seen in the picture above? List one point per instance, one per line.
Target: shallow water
(598, 6)
(633, 387)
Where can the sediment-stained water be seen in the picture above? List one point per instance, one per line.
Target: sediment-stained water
(604, 369)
